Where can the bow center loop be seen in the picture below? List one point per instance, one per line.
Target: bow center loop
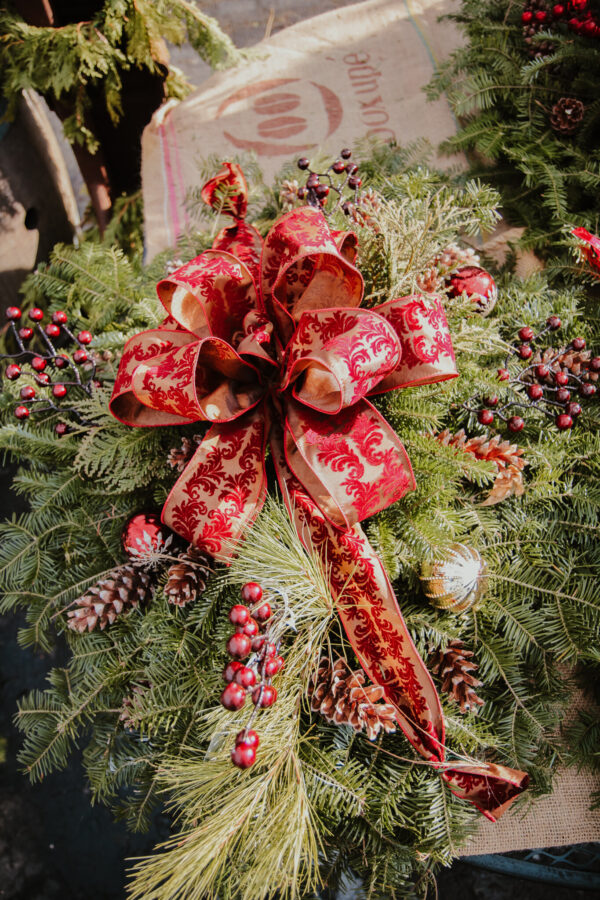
(337, 356)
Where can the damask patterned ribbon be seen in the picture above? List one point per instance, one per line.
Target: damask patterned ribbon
(267, 341)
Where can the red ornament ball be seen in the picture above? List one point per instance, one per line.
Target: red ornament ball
(561, 378)
(239, 645)
(263, 612)
(587, 390)
(251, 592)
(239, 615)
(526, 333)
(84, 337)
(248, 736)
(233, 697)
(38, 363)
(503, 374)
(36, 314)
(563, 395)
(516, 423)
(80, 356)
(52, 330)
(243, 755)
(264, 696)
(27, 392)
(21, 412)
(245, 677)
(564, 422)
(59, 391)
(485, 417)
(578, 343)
(13, 313)
(535, 391)
(143, 532)
(25, 333)
(478, 285)
(553, 323)
(59, 317)
(13, 371)
(230, 669)
(525, 351)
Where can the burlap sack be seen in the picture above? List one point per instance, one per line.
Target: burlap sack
(321, 84)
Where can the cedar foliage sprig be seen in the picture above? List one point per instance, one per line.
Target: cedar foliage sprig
(333, 802)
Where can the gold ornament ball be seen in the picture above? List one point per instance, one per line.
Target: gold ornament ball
(457, 582)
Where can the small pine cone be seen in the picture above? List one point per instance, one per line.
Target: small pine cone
(178, 458)
(454, 257)
(571, 362)
(288, 194)
(341, 696)
(567, 115)
(455, 668)
(125, 588)
(429, 280)
(188, 577)
(507, 457)
(362, 212)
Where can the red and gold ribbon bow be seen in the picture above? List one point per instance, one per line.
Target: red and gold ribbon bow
(267, 341)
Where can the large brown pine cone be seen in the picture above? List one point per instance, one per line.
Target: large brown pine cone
(187, 578)
(342, 696)
(125, 588)
(455, 667)
(507, 457)
(567, 115)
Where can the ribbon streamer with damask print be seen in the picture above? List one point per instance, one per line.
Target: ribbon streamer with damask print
(267, 341)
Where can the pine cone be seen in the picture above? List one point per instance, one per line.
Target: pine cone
(179, 458)
(507, 457)
(429, 280)
(571, 362)
(288, 193)
(124, 588)
(341, 696)
(454, 257)
(567, 115)
(187, 578)
(361, 212)
(455, 667)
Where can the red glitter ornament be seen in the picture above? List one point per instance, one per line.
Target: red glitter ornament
(477, 284)
(143, 532)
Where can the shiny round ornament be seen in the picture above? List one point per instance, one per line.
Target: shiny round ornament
(143, 532)
(457, 582)
(478, 285)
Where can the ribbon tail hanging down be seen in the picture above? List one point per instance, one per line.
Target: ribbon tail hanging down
(371, 617)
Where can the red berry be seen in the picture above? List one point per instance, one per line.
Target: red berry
(339, 166)
(245, 677)
(80, 356)
(243, 755)
(257, 642)
(354, 182)
(280, 662)
(42, 378)
(541, 15)
(52, 330)
(250, 628)
(272, 666)
(239, 615)
(59, 317)
(230, 669)
(485, 417)
(303, 163)
(526, 333)
(233, 697)
(84, 337)
(535, 391)
(238, 645)
(574, 24)
(561, 378)
(564, 421)
(302, 192)
(491, 401)
(553, 322)
(61, 362)
(247, 736)
(573, 409)
(271, 650)
(27, 392)
(59, 390)
(558, 10)
(38, 363)
(587, 390)
(516, 423)
(589, 27)
(60, 428)
(503, 374)
(578, 343)
(263, 612)
(542, 371)
(351, 168)
(525, 351)
(251, 592)
(563, 395)
(21, 412)
(13, 313)
(321, 190)
(25, 333)
(264, 695)
(312, 181)
(36, 314)
(346, 153)
(595, 364)
(526, 16)
(13, 371)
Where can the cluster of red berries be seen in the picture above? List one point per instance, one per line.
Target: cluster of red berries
(49, 355)
(546, 384)
(576, 14)
(250, 642)
(341, 176)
